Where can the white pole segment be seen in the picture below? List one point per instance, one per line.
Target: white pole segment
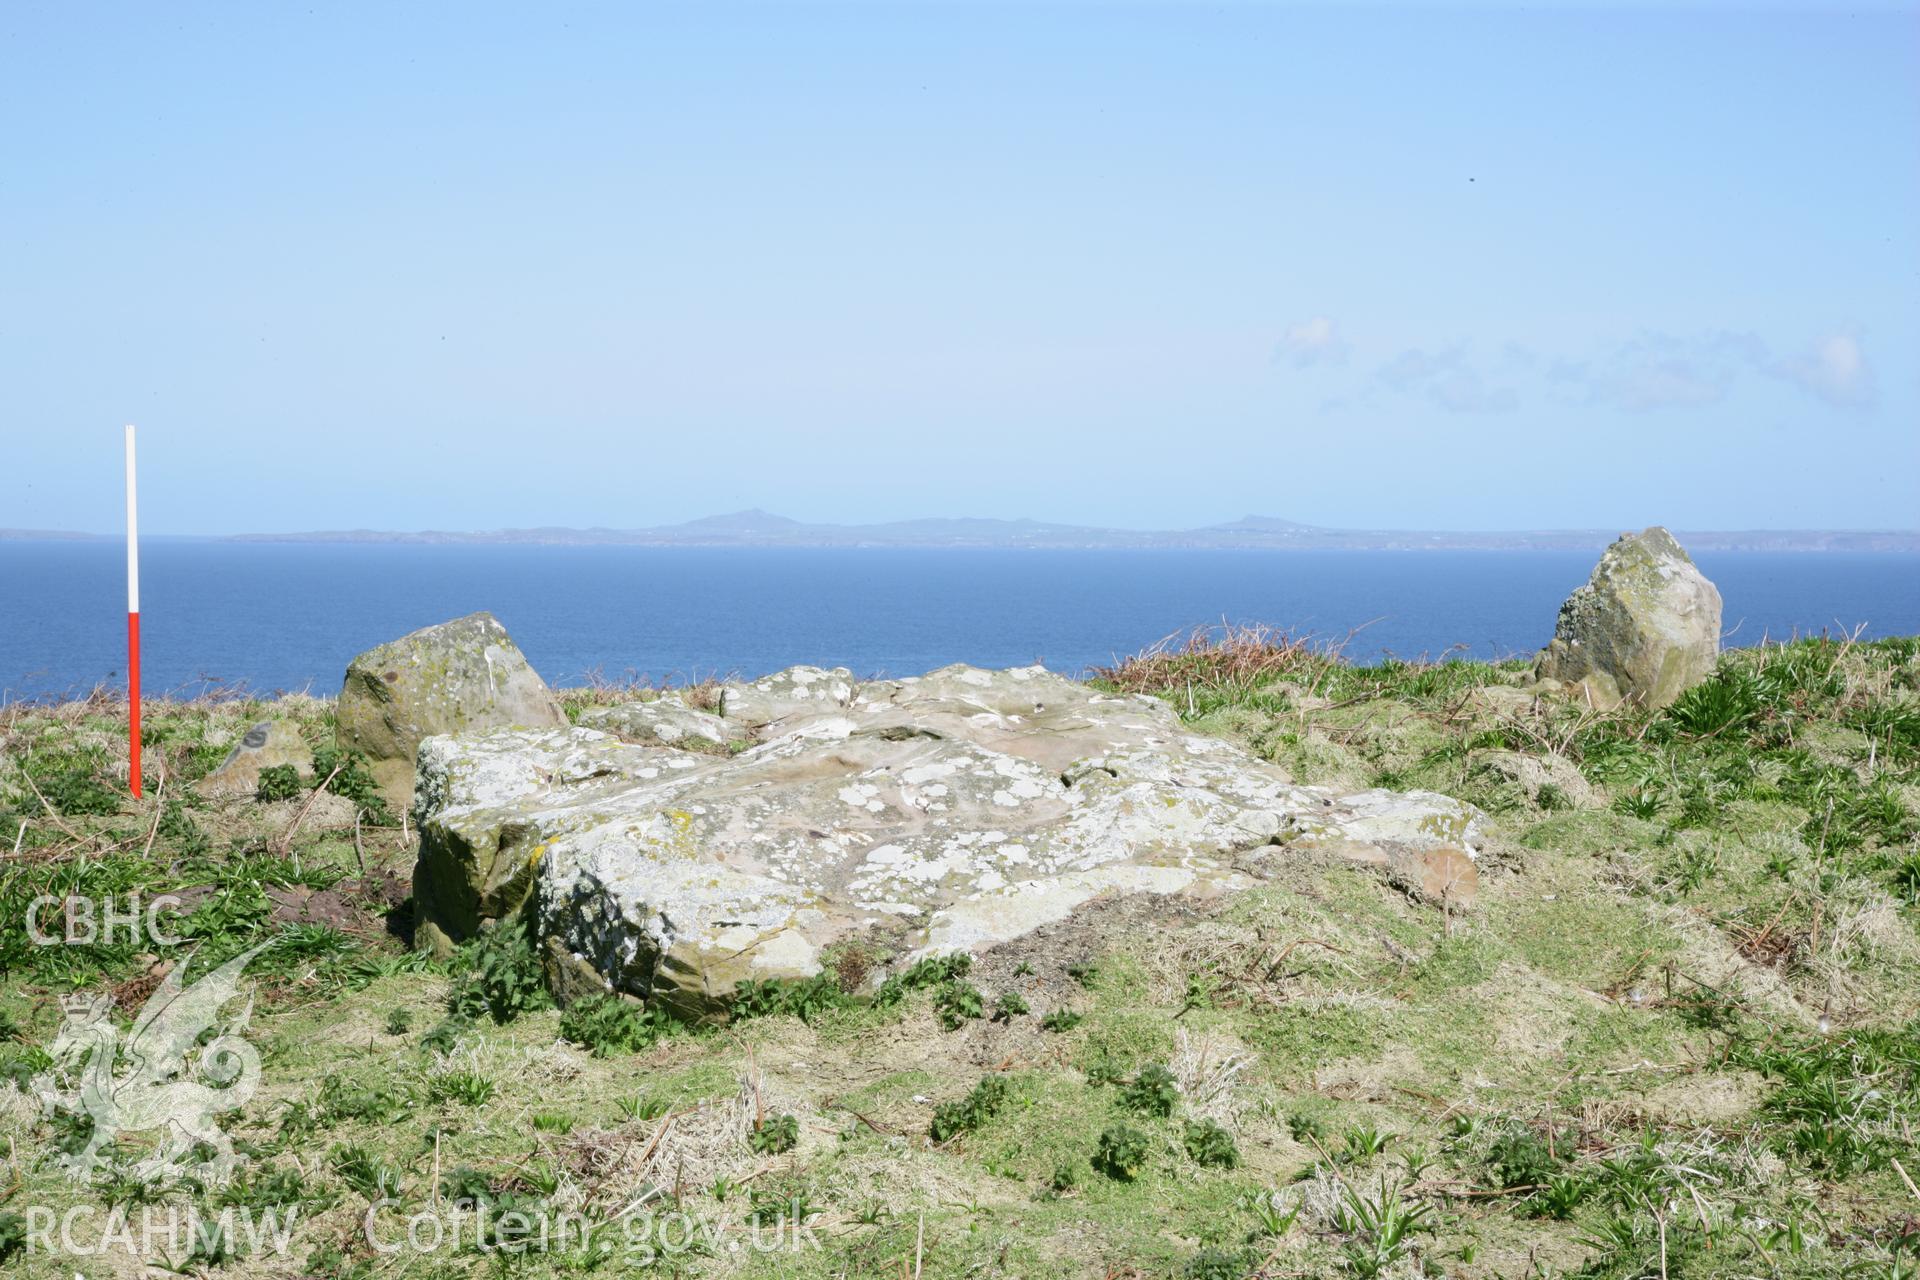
(133, 533)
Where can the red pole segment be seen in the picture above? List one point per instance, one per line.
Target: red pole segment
(133, 698)
(133, 626)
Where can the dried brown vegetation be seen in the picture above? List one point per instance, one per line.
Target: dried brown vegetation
(1229, 656)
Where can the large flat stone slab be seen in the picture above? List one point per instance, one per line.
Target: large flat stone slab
(957, 810)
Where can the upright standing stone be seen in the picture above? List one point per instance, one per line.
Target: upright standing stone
(452, 678)
(1644, 628)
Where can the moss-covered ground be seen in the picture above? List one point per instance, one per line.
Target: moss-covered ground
(1678, 1035)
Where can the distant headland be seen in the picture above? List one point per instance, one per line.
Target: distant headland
(756, 528)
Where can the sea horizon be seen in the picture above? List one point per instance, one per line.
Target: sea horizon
(287, 617)
(758, 529)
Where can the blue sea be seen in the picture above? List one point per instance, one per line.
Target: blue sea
(271, 617)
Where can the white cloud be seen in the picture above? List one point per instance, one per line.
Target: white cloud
(1447, 378)
(1660, 371)
(1651, 372)
(1465, 391)
(1311, 342)
(1835, 369)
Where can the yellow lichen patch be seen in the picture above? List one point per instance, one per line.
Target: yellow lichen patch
(1450, 827)
(669, 835)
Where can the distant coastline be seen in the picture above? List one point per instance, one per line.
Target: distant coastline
(1251, 533)
(47, 535)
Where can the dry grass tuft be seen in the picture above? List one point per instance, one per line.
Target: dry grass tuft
(601, 690)
(704, 695)
(1209, 1068)
(1226, 657)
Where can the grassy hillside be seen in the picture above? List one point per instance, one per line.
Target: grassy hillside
(1678, 1036)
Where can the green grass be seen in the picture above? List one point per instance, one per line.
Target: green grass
(1614, 1063)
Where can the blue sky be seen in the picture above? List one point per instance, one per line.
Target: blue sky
(1146, 265)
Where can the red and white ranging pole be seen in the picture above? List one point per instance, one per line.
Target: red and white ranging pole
(133, 623)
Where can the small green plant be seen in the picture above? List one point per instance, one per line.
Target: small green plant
(468, 1088)
(72, 1130)
(445, 1034)
(181, 832)
(774, 1134)
(1153, 1092)
(1306, 1130)
(803, 998)
(1562, 1194)
(606, 1024)
(399, 1022)
(963, 1115)
(120, 1186)
(263, 1188)
(1906, 877)
(1274, 1220)
(1065, 1178)
(1619, 1240)
(1009, 1006)
(777, 1205)
(364, 1171)
(299, 1118)
(1522, 1158)
(77, 792)
(1210, 1145)
(1216, 1264)
(369, 1102)
(466, 1187)
(1720, 705)
(958, 1002)
(1122, 1153)
(1380, 1228)
(499, 975)
(1641, 802)
(1363, 1142)
(639, 1106)
(552, 1122)
(13, 1235)
(352, 779)
(934, 971)
(1061, 1020)
(277, 782)
(1827, 1114)
(540, 1177)
(328, 1261)
(209, 1244)
(1201, 993)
